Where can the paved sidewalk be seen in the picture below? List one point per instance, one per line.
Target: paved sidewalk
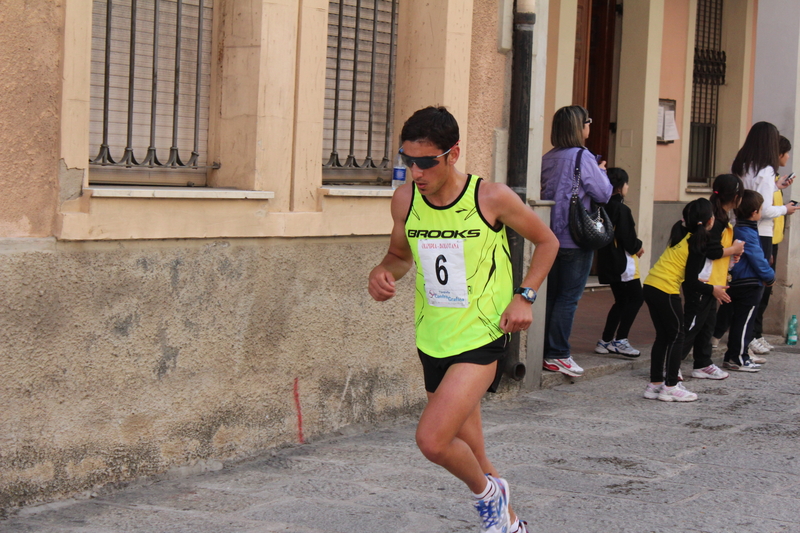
(592, 456)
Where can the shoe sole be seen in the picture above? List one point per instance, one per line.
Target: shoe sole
(554, 368)
(675, 399)
(746, 369)
(707, 376)
(570, 373)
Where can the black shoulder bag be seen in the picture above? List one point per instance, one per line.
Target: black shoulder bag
(590, 231)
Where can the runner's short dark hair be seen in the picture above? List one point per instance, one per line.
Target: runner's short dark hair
(751, 202)
(433, 124)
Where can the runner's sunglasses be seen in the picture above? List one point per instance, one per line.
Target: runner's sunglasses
(423, 163)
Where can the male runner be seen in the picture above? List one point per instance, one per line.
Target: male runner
(452, 225)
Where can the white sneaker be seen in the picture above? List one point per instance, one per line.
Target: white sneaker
(714, 342)
(566, 366)
(742, 366)
(493, 510)
(602, 346)
(623, 347)
(763, 342)
(757, 347)
(712, 371)
(652, 391)
(676, 394)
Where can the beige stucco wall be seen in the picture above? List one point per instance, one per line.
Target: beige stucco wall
(126, 359)
(676, 40)
(489, 85)
(30, 39)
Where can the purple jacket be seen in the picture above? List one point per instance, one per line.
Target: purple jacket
(557, 169)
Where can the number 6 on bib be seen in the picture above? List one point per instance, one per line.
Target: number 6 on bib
(444, 271)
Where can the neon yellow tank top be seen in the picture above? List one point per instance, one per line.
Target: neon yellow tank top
(464, 280)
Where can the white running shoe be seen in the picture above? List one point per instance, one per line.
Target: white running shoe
(742, 366)
(763, 342)
(757, 347)
(566, 366)
(652, 391)
(676, 394)
(712, 371)
(623, 347)
(493, 510)
(603, 346)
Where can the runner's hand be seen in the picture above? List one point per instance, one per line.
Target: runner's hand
(381, 284)
(517, 316)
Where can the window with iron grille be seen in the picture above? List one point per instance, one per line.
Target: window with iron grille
(359, 86)
(709, 74)
(150, 91)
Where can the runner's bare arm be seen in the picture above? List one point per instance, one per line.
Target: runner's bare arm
(399, 259)
(501, 204)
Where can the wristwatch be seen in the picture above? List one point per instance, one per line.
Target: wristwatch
(527, 293)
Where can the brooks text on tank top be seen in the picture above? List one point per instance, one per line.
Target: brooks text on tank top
(464, 280)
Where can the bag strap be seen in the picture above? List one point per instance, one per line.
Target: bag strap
(576, 174)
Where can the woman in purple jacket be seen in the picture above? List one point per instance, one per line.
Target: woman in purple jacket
(569, 273)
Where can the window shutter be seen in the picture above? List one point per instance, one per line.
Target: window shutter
(142, 113)
(363, 63)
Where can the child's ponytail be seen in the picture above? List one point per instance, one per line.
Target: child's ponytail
(678, 232)
(727, 191)
(696, 215)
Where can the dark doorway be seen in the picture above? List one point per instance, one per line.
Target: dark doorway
(594, 68)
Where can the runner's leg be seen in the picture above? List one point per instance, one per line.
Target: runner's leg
(472, 433)
(448, 410)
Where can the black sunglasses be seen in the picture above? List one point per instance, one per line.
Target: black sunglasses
(587, 121)
(424, 162)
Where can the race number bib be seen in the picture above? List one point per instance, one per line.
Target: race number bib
(444, 271)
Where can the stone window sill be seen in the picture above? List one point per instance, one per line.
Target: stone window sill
(357, 190)
(205, 193)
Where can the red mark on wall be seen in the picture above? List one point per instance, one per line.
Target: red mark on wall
(300, 438)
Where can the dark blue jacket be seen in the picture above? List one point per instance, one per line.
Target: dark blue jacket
(753, 267)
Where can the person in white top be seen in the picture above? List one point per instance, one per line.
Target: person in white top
(757, 163)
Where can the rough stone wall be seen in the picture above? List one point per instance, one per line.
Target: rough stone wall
(30, 50)
(124, 359)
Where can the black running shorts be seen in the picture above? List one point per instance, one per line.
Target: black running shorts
(434, 368)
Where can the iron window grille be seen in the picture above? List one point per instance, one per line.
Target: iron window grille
(150, 84)
(360, 70)
(708, 75)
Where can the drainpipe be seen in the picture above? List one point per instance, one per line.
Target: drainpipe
(518, 133)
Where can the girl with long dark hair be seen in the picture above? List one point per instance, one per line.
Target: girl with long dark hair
(757, 163)
(662, 292)
(700, 308)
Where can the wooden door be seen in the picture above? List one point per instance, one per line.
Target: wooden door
(601, 69)
(582, 46)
